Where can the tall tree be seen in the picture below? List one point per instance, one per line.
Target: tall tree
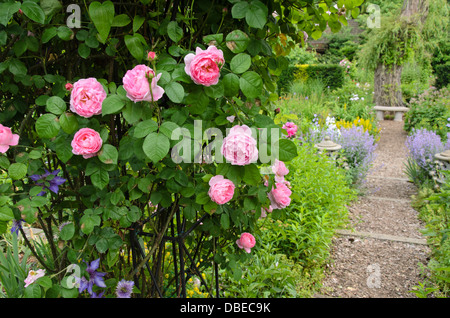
(392, 45)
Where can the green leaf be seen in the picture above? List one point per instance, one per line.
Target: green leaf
(239, 10)
(33, 11)
(64, 33)
(68, 123)
(287, 149)
(144, 128)
(135, 47)
(121, 20)
(174, 31)
(197, 101)
(102, 15)
(100, 178)
(48, 34)
(6, 214)
(108, 154)
(252, 176)
(251, 84)
(112, 104)
(56, 105)
(17, 171)
(156, 146)
(167, 128)
(84, 51)
(225, 221)
(237, 41)
(317, 34)
(137, 23)
(240, 63)
(231, 84)
(175, 92)
(47, 126)
(7, 10)
(67, 232)
(256, 15)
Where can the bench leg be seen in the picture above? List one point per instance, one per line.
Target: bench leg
(398, 116)
(380, 115)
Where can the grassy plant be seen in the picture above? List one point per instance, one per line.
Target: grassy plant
(13, 270)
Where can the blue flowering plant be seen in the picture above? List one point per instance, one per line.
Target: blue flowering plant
(422, 146)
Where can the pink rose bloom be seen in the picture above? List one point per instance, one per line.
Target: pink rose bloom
(246, 241)
(151, 56)
(280, 196)
(87, 97)
(280, 170)
(137, 84)
(291, 129)
(86, 142)
(33, 276)
(7, 138)
(264, 211)
(204, 66)
(239, 147)
(221, 190)
(69, 86)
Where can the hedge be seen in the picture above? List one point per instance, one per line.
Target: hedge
(331, 74)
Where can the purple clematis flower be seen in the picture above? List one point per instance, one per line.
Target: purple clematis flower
(124, 288)
(17, 224)
(94, 277)
(54, 182)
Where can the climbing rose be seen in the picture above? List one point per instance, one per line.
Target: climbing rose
(221, 190)
(291, 129)
(86, 142)
(136, 83)
(86, 97)
(280, 170)
(239, 147)
(204, 66)
(69, 86)
(280, 196)
(33, 276)
(246, 241)
(7, 138)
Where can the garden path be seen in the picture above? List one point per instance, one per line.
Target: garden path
(380, 254)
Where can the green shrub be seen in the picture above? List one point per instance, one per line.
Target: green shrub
(429, 110)
(434, 210)
(331, 75)
(320, 193)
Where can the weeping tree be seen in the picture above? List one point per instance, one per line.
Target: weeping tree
(398, 39)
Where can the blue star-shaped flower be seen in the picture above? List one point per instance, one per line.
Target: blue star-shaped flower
(54, 181)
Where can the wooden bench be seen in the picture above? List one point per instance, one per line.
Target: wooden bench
(398, 112)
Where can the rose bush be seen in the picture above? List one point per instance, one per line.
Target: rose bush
(205, 66)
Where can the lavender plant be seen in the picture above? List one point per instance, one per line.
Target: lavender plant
(422, 145)
(358, 147)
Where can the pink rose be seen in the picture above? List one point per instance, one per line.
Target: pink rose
(151, 56)
(280, 170)
(69, 86)
(279, 197)
(137, 84)
(291, 129)
(246, 241)
(204, 66)
(7, 138)
(221, 190)
(86, 142)
(87, 97)
(239, 147)
(264, 211)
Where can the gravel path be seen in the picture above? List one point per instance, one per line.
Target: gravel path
(381, 252)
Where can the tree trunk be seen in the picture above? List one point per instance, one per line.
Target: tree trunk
(387, 80)
(387, 86)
